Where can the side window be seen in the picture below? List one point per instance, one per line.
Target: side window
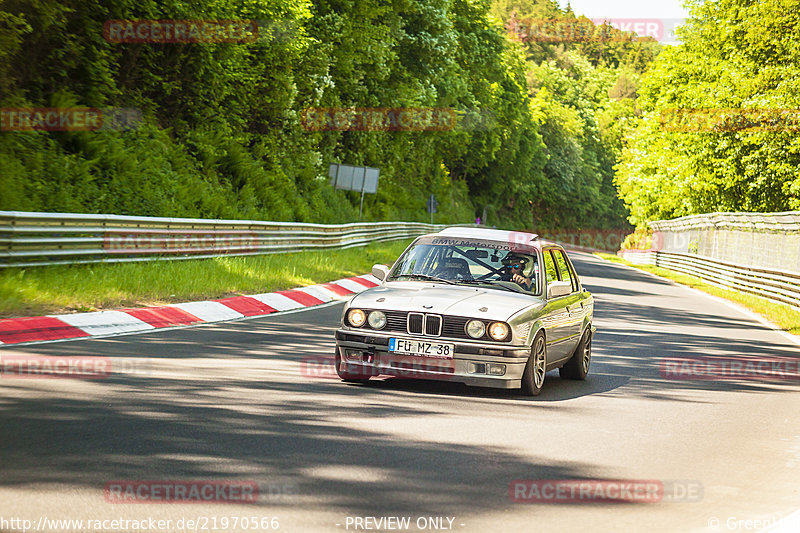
(549, 267)
(564, 270)
(576, 282)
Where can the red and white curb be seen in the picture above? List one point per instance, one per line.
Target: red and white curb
(105, 323)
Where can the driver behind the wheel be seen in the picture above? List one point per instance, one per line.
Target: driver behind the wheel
(514, 268)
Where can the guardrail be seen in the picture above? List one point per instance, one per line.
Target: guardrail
(34, 239)
(777, 286)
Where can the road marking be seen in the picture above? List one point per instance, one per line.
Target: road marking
(164, 316)
(209, 311)
(247, 306)
(351, 285)
(278, 301)
(319, 292)
(104, 322)
(302, 297)
(85, 337)
(19, 330)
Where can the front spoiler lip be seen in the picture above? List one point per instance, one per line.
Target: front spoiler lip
(514, 357)
(463, 348)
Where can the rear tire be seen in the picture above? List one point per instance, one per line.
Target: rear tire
(344, 374)
(536, 368)
(578, 365)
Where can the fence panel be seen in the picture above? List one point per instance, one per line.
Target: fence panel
(758, 253)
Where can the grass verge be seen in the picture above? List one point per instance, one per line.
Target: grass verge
(781, 315)
(68, 288)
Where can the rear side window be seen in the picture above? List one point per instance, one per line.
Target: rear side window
(563, 269)
(549, 267)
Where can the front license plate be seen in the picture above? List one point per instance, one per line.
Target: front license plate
(423, 348)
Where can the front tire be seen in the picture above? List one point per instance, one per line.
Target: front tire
(536, 368)
(344, 374)
(578, 365)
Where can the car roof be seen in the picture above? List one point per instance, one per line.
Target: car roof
(518, 237)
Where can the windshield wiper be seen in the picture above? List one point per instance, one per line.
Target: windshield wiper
(427, 277)
(486, 282)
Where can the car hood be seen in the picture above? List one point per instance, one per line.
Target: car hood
(444, 299)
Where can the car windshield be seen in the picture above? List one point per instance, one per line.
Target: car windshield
(469, 262)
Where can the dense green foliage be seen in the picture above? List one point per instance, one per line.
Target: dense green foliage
(736, 55)
(582, 94)
(222, 135)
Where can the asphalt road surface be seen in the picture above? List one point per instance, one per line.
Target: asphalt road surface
(255, 401)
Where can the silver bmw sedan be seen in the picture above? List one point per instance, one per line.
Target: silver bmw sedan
(483, 307)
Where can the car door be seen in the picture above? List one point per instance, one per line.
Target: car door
(573, 303)
(555, 317)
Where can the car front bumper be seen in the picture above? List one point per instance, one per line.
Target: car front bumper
(367, 353)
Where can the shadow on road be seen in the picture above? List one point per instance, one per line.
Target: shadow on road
(231, 400)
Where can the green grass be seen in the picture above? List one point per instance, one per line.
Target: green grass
(59, 289)
(781, 315)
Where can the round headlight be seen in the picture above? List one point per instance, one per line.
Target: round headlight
(356, 317)
(377, 319)
(476, 329)
(498, 331)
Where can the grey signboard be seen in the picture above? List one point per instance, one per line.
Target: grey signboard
(350, 178)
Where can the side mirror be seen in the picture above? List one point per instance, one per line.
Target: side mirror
(556, 289)
(380, 271)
